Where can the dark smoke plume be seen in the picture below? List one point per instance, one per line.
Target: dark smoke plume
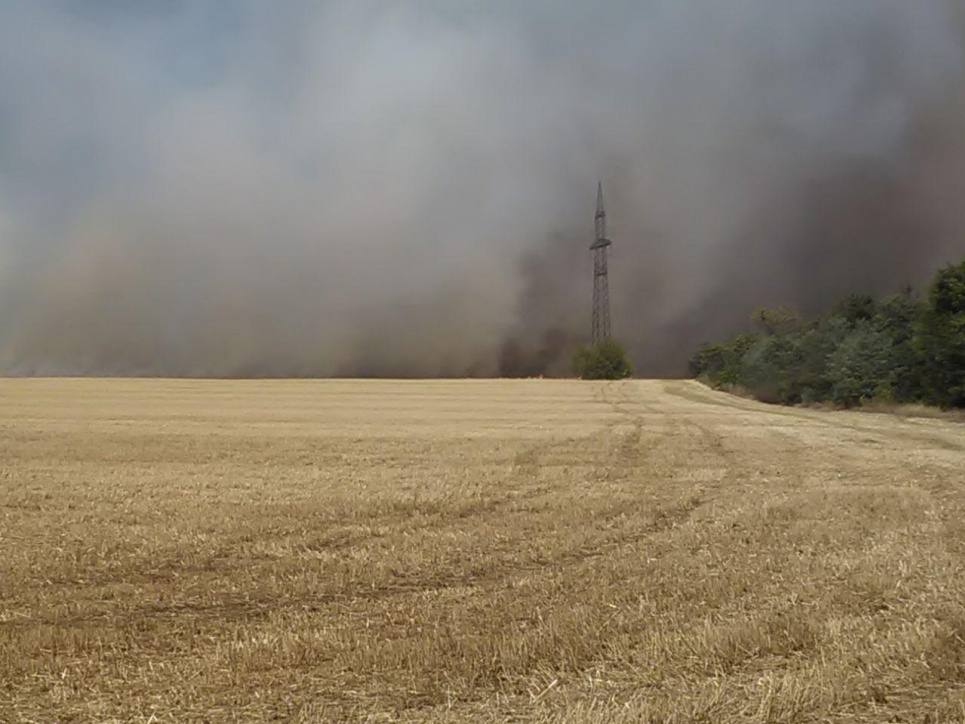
(407, 188)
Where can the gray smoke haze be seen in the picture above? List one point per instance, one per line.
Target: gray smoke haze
(407, 188)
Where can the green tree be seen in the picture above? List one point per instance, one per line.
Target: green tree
(607, 360)
(860, 366)
(816, 344)
(769, 369)
(709, 361)
(722, 364)
(941, 338)
(777, 320)
(898, 317)
(901, 348)
(855, 308)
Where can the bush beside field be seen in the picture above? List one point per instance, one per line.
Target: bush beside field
(607, 360)
(899, 350)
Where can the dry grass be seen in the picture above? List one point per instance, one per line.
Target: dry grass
(535, 551)
(875, 406)
(913, 410)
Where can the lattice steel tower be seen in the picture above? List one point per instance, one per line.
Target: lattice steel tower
(601, 284)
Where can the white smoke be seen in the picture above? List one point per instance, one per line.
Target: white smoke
(362, 187)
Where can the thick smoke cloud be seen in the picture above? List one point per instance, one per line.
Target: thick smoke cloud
(375, 188)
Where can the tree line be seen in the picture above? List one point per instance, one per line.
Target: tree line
(903, 348)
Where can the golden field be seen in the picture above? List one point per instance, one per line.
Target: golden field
(473, 551)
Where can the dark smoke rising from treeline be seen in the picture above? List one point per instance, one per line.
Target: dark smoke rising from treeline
(406, 189)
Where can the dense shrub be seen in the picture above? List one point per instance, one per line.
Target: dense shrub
(859, 368)
(769, 368)
(607, 360)
(941, 339)
(900, 349)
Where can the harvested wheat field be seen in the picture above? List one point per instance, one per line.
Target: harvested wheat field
(532, 551)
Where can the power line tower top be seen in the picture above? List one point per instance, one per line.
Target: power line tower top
(601, 283)
(601, 239)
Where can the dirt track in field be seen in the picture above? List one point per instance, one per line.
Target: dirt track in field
(538, 551)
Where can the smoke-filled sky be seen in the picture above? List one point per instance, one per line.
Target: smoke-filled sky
(239, 187)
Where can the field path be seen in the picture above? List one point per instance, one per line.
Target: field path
(451, 551)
